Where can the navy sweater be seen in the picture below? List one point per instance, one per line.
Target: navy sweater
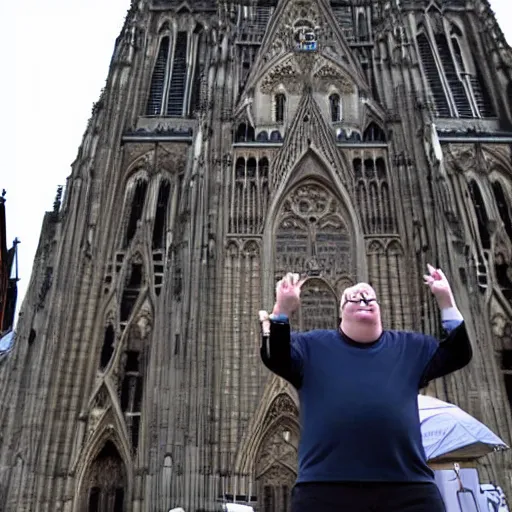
(358, 403)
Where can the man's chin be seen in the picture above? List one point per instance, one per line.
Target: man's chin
(368, 319)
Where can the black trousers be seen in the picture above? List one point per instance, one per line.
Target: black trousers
(366, 497)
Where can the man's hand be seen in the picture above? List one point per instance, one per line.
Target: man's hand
(440, 287)
(288, 294)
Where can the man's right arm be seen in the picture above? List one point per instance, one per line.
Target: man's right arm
(280, 353)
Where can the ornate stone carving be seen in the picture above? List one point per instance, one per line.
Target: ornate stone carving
(319, 306)
(98, 409)
(277, 451)
(309, 132)
(107, 471)
(282, 405)
(312, 233)
(286, 74)
(305, 70)
(460, 157)
(328, 75)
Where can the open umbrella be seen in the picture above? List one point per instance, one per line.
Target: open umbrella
(449, 433)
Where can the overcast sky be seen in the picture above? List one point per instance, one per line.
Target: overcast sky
(55, 56)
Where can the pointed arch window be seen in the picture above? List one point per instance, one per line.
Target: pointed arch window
(156, 91)
(335, 107)
(137, 208)
(263, 167)
(502, 263)
(131, 395)
(280, 107)
(456, 84)
(454, 79)
(160, 226)
(481, 214)
(108, 347)
(504, 209)
(131, 291)
(178, 82)
(176, 74)
(432, 75)
(362, 28)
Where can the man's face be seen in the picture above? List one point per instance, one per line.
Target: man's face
(359, 303)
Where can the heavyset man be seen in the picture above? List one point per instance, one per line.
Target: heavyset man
(360, 448)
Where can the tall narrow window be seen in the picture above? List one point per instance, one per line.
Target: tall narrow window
(481, 215)
(156, 91)
(131, 291)
(503, 207)
(345, 18)
(240, 168)
(358, 172)
(280, 106)
(108, 347)
(159, 228)
(432, 75)
(362, 27)
(199, 71)
(251, 168)
(175, 101)
(335, 104)
(483, 100)
(458, 92)
(131, 395)
(136, 209)
(263, 166)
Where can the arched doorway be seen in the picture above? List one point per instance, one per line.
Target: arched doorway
(276, 466)
(106, 482)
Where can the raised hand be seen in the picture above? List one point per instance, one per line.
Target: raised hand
(288, 294)
(440, 287)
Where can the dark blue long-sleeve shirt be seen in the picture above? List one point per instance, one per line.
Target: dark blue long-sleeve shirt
(358, 402)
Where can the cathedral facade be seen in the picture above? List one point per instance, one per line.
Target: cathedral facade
(347, 140)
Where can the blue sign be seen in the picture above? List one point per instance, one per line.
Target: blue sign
(306, 41)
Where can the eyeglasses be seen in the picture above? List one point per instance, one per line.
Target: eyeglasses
(362, 299)
(357, 298)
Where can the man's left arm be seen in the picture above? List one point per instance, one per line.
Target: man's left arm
(454, 351)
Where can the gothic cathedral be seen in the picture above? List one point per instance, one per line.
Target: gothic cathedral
(236, 140)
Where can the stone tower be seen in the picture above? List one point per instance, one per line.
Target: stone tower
(347, 140)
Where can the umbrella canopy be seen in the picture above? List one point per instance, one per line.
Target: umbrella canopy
(449, 433)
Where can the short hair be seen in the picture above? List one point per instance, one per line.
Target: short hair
(352, 289)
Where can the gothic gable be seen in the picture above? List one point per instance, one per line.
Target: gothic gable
(294, 23)
(308, 132)
(277, 409)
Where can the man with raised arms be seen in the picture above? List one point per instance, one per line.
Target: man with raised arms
(360, 448)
